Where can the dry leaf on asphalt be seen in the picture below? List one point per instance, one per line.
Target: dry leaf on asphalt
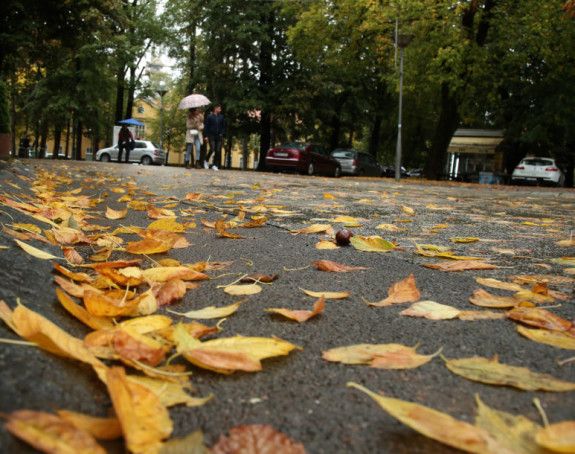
(438, 426)
(301, 316)
(48, 336)
(50, 433)
(379, 356)
(559, 339)
(327, 295)
(243, 290)
(540, 318)
(256, 439)
(494, 283)
(82, 314)
(491, 371)
(168, 273)
(431, 310)
(37, 252)
(221, 229)
(145, 420)
(515, 432)
(210, 312)
(100, 428)
(149, 246)
(190, 444)
(558, 437)
(462, 265)
(328, 265)
(485, 299)
(315, 228)
(230, 354)
(116, 214)
(371, 244)
(404, 291)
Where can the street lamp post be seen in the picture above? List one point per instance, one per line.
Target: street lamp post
(161, 90)
(401, 41)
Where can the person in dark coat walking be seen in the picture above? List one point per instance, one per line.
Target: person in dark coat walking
(214, 130)
(125, 142)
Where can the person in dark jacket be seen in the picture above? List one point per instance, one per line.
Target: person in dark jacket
(125, 142)
(214, 129)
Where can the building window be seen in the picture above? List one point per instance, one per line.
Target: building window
(140, 110)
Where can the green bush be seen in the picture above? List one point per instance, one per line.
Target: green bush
(4, 110)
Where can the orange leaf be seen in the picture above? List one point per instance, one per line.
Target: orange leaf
(220, 227)
(115, 214)
(302, 315)
(149, 246)
(158, 213)
(401, 292)
(168, 273)
(145, 420)
(72, 256)
(78, 277)
(82, 314)
(100, 428)
(328, 265)
(258, 438)
(484, 299)
(50, 433)
(106, 306)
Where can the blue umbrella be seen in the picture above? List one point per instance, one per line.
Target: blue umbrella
(131, 121)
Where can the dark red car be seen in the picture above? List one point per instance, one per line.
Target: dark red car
(302, 157)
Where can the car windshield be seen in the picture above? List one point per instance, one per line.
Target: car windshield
(155, 144)
(343, 154)
(538, 162)
(293, 145)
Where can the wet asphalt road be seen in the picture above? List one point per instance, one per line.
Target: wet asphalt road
(300, 394)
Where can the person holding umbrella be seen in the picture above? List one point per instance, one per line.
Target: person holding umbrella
(194, 126)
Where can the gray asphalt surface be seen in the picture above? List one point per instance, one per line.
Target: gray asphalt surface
(302, 395)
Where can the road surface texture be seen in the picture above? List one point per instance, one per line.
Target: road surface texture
(300, 394)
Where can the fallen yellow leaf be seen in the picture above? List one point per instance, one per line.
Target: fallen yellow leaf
(210, 312)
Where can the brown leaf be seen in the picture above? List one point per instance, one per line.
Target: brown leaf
(257, 277)
(462, 265)
(77, 277)
(72, 255)
(116, 214)
(256, 439)
(328, 265)
(50, 433)
(404, 291)
(132, 345)
(541, 318)
(168, 273)
(170, 292)
(82, 314)
(301, 316)
(158, 213)
(106, 306)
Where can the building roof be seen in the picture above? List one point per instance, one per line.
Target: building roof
(475, 140)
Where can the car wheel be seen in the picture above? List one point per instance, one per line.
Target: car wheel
(146, 160)
(310, 169)
(105, 158)
(337, 172)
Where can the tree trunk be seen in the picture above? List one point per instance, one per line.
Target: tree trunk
(266, 67)
(446, 127)
(78, 148)
(57, 140)
(131, 92)
(119, 96)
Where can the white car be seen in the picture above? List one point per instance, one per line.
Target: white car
(538, 171)
(145, 152)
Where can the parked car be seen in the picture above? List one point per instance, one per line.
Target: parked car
(358, 163)
(60, 156)
(418, 172)
(538, 171)
(303, 157)
(144, 152)
(390, 172)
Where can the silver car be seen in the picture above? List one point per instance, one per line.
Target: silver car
(538, 171)
(145, 152)
(358, 163)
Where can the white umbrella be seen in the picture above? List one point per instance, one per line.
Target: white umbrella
(192, 101)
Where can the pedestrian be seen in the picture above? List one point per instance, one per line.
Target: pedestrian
(214, 130)
(125, 142)
(194, 127)
(24, 146)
